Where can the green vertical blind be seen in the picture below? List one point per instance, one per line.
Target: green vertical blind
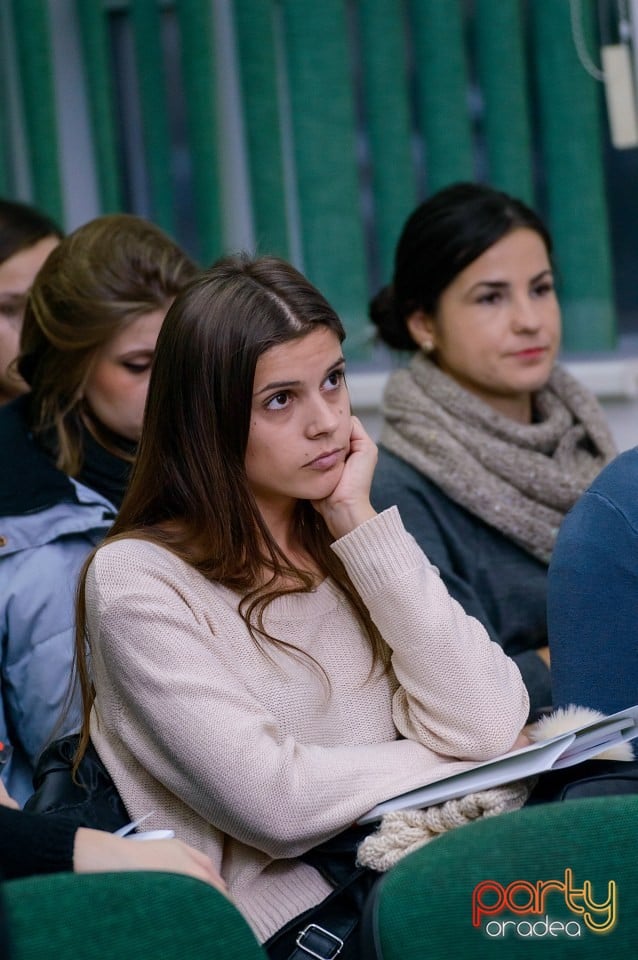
(152, 92)
(503, 78)
(351, 112)
(99, 84)
(324, 136)
(386, 117)
(570, 138)
(6, 182)
(261, 82)
(33, 47)
(442, 81)
(200, 90)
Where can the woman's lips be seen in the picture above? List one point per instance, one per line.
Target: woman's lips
(531, 353)
(325, 461)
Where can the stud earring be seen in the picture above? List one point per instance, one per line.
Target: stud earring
(427, 346)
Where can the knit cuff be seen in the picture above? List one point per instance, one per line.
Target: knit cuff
(378, 551)
(41, 843)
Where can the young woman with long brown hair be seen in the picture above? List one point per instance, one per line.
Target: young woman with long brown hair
(267, 658)
(88, 338)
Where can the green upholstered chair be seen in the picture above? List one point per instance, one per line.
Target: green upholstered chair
(423, 908)
(117, 916)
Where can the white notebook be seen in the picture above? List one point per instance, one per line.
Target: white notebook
(565, 750)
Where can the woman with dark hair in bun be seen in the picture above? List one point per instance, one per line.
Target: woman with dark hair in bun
(487, 442)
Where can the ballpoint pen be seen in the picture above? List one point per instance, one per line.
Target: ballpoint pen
(126, 831)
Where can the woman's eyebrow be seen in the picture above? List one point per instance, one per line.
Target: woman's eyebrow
(278, 385)
(543, 273)
(492, 284)
(14, 296)
(287, 384)
(133, 351)
(501, 284)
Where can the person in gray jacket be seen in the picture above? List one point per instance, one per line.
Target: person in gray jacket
(487, 442)
(91, 322)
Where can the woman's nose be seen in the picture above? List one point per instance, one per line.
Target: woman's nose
(525, 315)
(322, 418)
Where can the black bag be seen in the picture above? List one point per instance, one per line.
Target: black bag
(326, 930)
(91, 799)
(332, 927)
(593, 778)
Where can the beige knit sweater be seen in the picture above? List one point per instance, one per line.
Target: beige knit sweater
(252, 759)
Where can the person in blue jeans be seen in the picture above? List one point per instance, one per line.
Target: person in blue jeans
(592, 596)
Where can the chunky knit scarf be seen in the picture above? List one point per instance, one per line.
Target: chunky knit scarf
(519, 478)
(403, 831)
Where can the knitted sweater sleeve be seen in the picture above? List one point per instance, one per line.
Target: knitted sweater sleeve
(459, 693)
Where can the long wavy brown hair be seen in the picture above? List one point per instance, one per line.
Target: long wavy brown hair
(100, 278)
(189, 491)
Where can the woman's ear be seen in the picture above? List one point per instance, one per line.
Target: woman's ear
(421, 328)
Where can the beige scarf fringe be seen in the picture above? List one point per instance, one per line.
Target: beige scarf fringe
(519, 478)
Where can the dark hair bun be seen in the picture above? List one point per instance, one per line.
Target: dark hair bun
(392, 330)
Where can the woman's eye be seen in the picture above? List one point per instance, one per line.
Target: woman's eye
(334, 380)
(491, 299)
(136, 367)
(543, 289)
(12, 312)
(278, 402)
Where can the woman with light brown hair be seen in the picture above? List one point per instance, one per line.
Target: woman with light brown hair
(88, 339)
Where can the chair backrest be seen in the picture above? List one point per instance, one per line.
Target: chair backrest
(555, 880)
(117, 916)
